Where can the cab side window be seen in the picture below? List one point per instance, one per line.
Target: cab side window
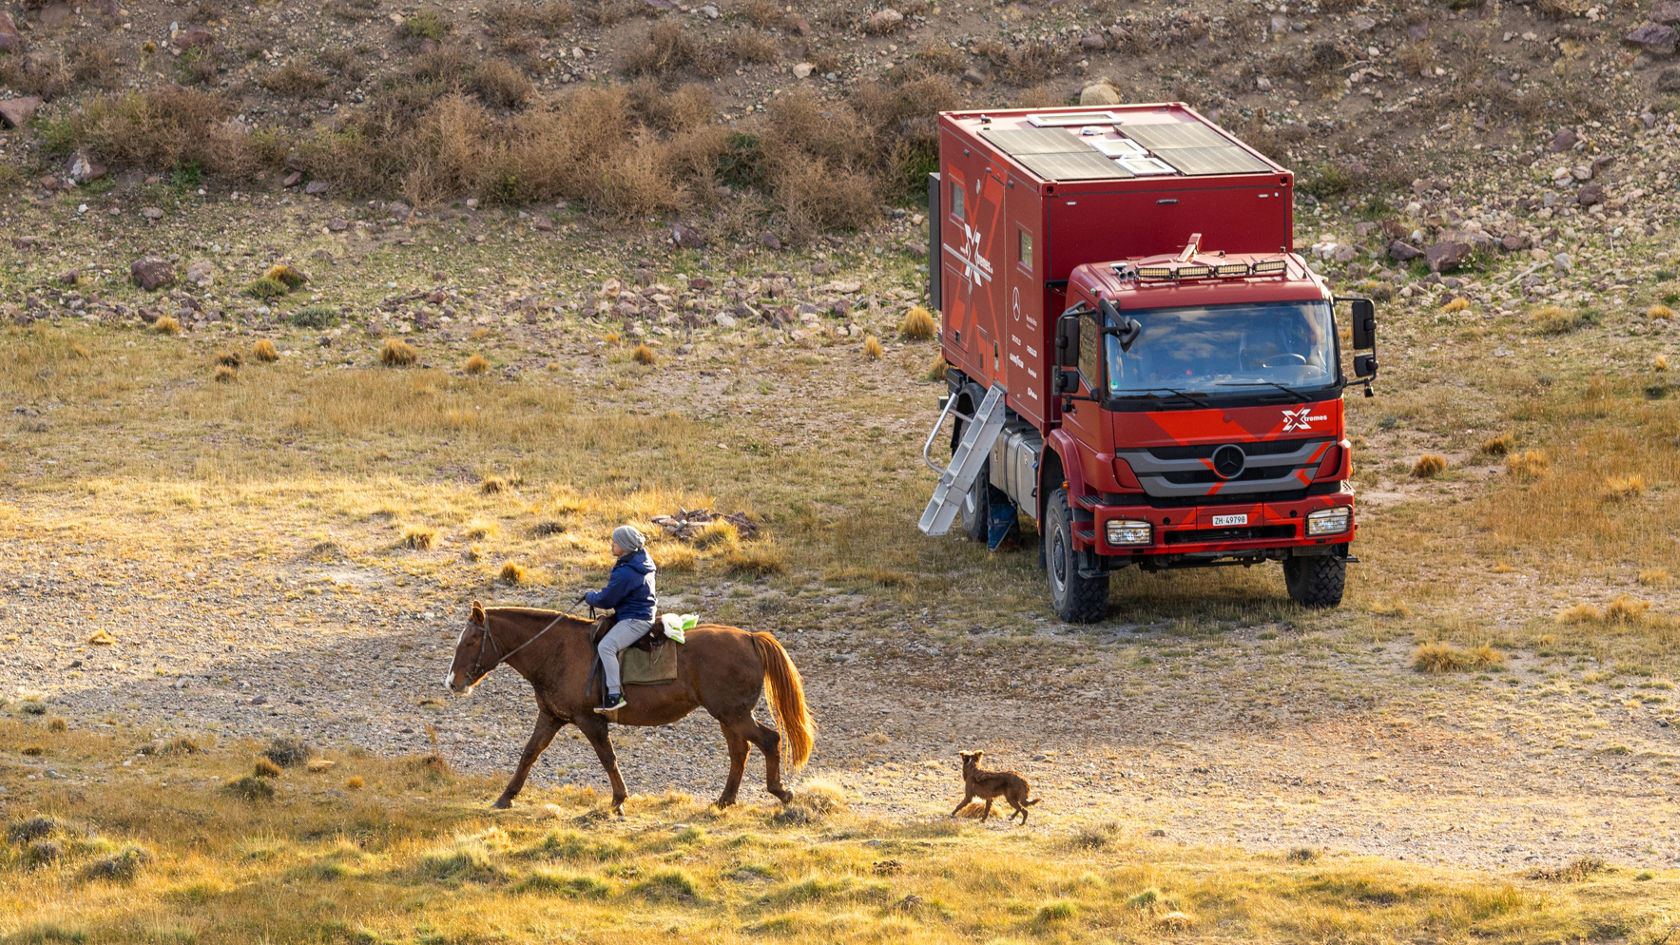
(1090, 351)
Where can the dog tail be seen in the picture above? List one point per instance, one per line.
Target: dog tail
(1031, 802)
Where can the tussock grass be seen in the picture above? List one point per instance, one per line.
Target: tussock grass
(1659, 312)
(918, 325)
(266, 289)
(1429, 466)
(1528, 465)
(872, 348)
(1655, 577)
(397, 353)
(420, 539)
(1458, 304)
(265, 351)
(288, 752)
(1623, 488)
(759, 559)
(425, 854)
(718, 534)
(286, 276)
(229, 359)
(644, 355)
(1441, 657)
(266, 768)
(512, 572)
(1500, 445)
(476, 365)
(225, 374)
(167, 325)
(937, 370)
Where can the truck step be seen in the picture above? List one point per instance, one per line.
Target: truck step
(971, 453)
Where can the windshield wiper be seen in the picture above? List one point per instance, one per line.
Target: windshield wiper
(1298, 395)
(1197, 398)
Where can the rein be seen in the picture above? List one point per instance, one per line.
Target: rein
(479, 670)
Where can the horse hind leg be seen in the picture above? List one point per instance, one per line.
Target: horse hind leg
(547, 725)
(769, 741)
(738, 749)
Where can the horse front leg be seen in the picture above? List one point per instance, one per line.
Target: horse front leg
(594, 728)
(547, 725)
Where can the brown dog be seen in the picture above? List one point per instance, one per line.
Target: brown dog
(978, 782)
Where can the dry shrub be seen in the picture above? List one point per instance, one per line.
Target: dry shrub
(501, 84)
(265, 351)
(918, 325)
(476, 365)
(689, 106)
(1030, 62)
(265, 288)
(941, 58)
(761, 13)
(95, 62)
(938, 370)
(163, 128)
(492, 485)
(1528, 465)
(286, 276)
(643, 355)
(296, 79)
(1456, 305)
(872, 348)
(1659, 311)
(58, 724)
(420, 539)
(354, 782)
(1441, 657)
(229, 359)
(397, 353)
(288, 752)
(251, 788)
(39, 73)
(818, 196)
(167, 325)
(266, 769)
(511, 16)
(1622, 488)
(666, 50)
(1655, 577)
(1429, 466)
(225, 374)
(678, 559)
(1626, 610)
(1500, 445)
(751, 46)
(512, 573)
(1580, 613)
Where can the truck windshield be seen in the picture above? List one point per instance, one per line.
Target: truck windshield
(1219, 350)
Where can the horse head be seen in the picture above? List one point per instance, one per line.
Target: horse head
(476, 653)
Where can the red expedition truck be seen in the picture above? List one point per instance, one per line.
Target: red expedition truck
(1137, 360)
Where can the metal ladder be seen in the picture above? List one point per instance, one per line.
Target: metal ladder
(956, 479)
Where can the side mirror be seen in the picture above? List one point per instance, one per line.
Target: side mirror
(1067, 340)
(1364, 324)
(1066, 382)
(1364, 366)
(1123, 327)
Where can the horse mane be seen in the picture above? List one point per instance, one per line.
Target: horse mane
(537, 612)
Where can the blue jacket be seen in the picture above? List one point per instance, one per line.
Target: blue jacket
(629, 589)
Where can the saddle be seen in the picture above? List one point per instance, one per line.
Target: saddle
(646, 642)
(648, 661)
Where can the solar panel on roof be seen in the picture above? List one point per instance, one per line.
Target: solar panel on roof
(1035, 141)
(1225, 160)
(1085, 165)
(1178, 134)
(1069, 119)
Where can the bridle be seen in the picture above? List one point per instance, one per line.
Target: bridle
(479, 670)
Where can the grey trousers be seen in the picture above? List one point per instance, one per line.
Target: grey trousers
(623, 633)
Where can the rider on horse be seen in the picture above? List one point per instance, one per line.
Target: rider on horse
(630, 593)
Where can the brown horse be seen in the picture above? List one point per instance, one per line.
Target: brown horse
(723, 669)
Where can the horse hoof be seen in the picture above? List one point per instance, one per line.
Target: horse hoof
(724, 802)
(786, 796)
(501, 804)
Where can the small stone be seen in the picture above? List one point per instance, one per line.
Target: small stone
(151, 273)
(11, 41)
(1590, 194)
(686, 237)
(292, 180)
(803, 70)
(316, 188)
(724, 321)
(1401, 251)
(1563, 140)
(1447, 255)
(709, 12)
(1654, 38)
(338, 225)
(201, 273)
(1093, 42)
(973, 76)
(771, 242)
(1263, 84)
(1515, 242)
(1668, 80)
(883, 21)
(83, 169)
(1099, 93)
(699, 283)
(1563, 263)
(193, 39)
(153, 214)
(16, 112)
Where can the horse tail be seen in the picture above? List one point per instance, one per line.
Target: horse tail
(787, 699)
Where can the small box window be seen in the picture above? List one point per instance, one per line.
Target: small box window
(1023, 249)
(957, 200)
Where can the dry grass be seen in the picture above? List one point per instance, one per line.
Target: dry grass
(512, 572)
(1458, 304)
(759, 559)
(918, 325)
(718, 534)
(1528, 465)
(266, 768)
(1441, 657)
(644, 355)
(225, 374)
(1659, 311)
(1555, 320)
(420, 539)
(1655, 577)
(1500, 445)
(1429, 466)
(397, 353)
(872, 348)
(1624, 488)
(265, 351)
(167, 325)
(476, 365)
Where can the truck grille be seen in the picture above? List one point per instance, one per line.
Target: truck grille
(1201, 535)
(1267, 468)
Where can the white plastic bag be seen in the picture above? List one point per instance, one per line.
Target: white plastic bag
(678, 625)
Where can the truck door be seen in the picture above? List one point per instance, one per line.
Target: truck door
(1026, 334)
(1082, 418)
(970, 252)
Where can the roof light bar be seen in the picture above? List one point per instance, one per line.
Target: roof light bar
(1231, 269)
(1268, 267)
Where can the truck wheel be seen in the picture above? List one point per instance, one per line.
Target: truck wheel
(1076, 599)
(1315, 582)
(976, 511)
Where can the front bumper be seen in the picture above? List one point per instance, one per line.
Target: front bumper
(1237, 530)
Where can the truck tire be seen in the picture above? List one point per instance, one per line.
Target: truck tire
(976, 511)
(1076, 599)
(1316, 581)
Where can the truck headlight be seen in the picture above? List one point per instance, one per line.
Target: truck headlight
(1329, 521)
(1129, 532)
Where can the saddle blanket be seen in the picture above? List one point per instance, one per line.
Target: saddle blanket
(648, 667)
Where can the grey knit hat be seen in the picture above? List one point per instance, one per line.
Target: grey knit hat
(626, 537)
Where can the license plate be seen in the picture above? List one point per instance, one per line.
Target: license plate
(1222, 521)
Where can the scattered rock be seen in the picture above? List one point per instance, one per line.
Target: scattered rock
(883, 21)
(1515, 242)
(83, 169)
(292, 180)
(724, 320)
(973, 76)
(55, 15)
(1668, 80)
(338, 225)
(1563, 262)
(1590, 194)
(1447, 255)
(316, 188)
(1668, 11)
(771, 242)
(151, 273)
(153, 214)
(201, 273)
(699, 283)
(803, 70)
(686, 237)
(11, 40)
(1563, 140)
(1099, 93)
(69, 277)
(193, 39)
(1654, 38)
(16, 112)
(1093, 42)
(1401, 251)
